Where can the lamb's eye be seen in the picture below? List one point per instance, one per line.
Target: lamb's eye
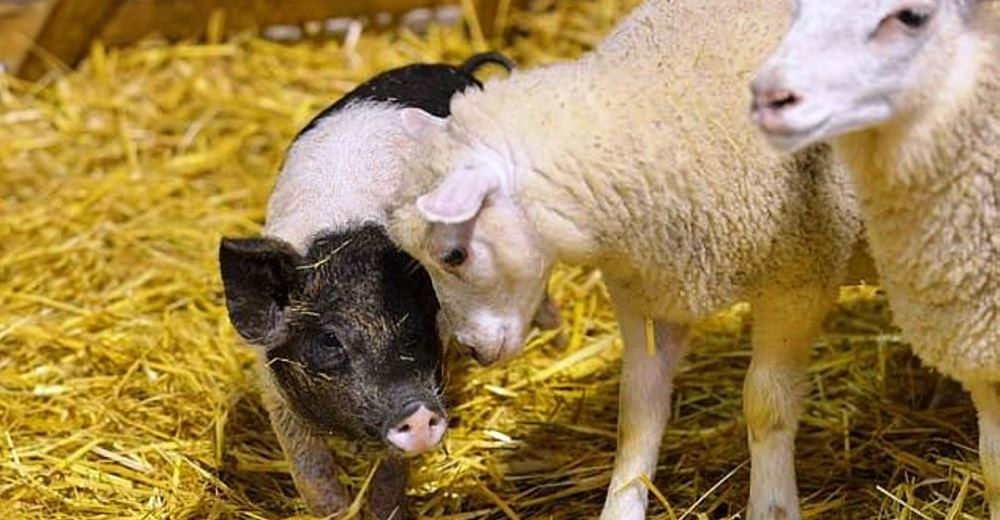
(327, 353)
(913, 18)
(906, 21)
(455, 257)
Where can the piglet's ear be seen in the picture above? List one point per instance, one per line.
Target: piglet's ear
(257, 274)
(459, 197)
(418, 123)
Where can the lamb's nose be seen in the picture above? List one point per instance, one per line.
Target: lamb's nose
(770, 105)
(775, 99)
(418, 432)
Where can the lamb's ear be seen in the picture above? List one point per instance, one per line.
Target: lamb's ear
(257, 274)
(452, 209)
(418, 123)
(459, 197)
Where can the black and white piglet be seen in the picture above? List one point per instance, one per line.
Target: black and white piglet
(345, 323)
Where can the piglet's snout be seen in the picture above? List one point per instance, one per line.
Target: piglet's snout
(418, 432)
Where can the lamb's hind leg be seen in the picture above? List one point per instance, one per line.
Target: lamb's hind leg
(785, 325)
(644, 407)
(986, 395)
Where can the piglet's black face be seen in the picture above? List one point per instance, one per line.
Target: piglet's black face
(348, 330)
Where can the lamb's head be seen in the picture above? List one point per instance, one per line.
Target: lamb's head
(457, 213)
(849, 65)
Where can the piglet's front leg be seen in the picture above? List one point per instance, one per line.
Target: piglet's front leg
(388, 491)
(312, 465)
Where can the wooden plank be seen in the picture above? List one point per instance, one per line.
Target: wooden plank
(20, 22)
(180, 19)
(495, 16)
(486, 13)
(73, 24)
(67, 33)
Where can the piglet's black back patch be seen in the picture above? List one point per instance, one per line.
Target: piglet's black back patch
(427, 86)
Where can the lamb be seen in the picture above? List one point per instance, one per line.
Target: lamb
(909, 95)
(661, 182)
(346, 324)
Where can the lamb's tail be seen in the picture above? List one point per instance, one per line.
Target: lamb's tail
(473, 64)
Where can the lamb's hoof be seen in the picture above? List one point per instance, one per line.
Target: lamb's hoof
(778, 513)
(774, 512)
(624, 511)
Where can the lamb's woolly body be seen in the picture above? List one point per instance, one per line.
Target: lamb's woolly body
(640, 160)
(659, 30)
(343, 171)
(930, 193)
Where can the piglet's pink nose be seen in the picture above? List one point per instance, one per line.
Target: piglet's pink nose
(419, 432)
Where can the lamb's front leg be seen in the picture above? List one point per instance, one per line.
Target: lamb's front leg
(644, 408)
(785, 325)
(986, 396)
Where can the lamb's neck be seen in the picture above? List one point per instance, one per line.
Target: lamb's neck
(925, 152)
(590, 197)
(553, 133)
(929, 193)
(586, 193)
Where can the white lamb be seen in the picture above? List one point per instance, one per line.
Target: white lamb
(910, 94)
(638, 159)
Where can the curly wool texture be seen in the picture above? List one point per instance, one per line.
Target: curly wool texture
(639, 159)
(930, 194)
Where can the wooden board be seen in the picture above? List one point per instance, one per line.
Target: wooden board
(67, 33)
(178, 19)
(73, 24)
(20, 22)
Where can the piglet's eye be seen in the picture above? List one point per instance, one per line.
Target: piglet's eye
(913, 18)
(455, 257)
(326, 354)
(331, 341)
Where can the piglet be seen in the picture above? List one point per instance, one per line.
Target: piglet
(345, 323)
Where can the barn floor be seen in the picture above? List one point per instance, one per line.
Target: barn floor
(124, 392)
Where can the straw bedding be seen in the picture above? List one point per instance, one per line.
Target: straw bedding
(124, 393)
